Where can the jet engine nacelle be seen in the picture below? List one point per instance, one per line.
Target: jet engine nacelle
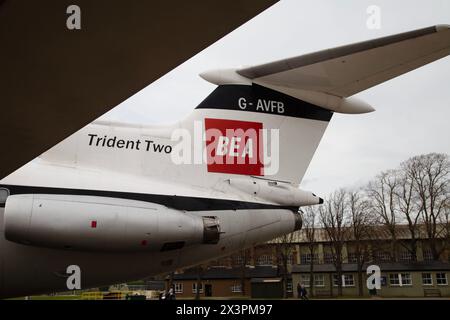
(103, 224)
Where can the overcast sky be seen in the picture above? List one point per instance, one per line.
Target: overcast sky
(413, 110)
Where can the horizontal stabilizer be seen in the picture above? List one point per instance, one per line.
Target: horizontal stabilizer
(347, 70)
(330, 77)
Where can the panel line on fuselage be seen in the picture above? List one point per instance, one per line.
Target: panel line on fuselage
(185, 203)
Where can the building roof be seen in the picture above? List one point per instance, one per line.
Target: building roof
(229, 273)
(378, 232)
(388, 266)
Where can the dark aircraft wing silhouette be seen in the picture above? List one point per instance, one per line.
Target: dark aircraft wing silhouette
(54, 81)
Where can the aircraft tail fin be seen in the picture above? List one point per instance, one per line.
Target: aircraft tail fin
(296, 98)
(256, 131)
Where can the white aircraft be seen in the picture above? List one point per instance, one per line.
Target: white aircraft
(123, 202)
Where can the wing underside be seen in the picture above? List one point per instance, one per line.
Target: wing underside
(54, 81)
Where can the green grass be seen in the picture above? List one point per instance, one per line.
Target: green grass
(49, 298)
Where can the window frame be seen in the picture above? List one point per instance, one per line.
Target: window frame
(305, 258)
(236, 288)
(427, 255)
(352, 257)
(315, 281)
(397, 276)
(335, 278)
(382, 256)
(289, 286)
(238, 260)
(409, 278)
(400, 278)
(327, 256)
(261, 259)
(343, 280)
(352, 284)
(291, 259)
(431, 279)
(445, 277)
(405, 256)
(194, 287)
(177, 286)
(304, 278)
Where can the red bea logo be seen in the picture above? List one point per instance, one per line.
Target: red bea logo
(234, 146)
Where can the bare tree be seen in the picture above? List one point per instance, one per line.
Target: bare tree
(409, 204)
(171, 275)
(430, 174)
(333, 219)
(361, 223)
(309, 228)
(382, 195)
(285, 247)
(200, 272)
(243, 262)
(445, 223)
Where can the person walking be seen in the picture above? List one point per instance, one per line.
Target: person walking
(299, 291)
(171, 293)
(304, 293)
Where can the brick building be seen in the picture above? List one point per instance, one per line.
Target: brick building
(221, 281)
(402, 274)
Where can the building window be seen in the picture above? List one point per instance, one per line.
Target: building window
(264, 260)
(236, 288)
(427, 279)
(347, 280)
(306, 258)
(178, 287)
(335, 280)
(289, 286)
(400, 279)
(441, 279)
(194, 288)
(328, 257)
(238, 260)
(405, 256)
(406, 279)
(291, 259)
(319, 280)
(427, 255)
(382, 256)
(352, 257)
(304, 278)
(394, 279)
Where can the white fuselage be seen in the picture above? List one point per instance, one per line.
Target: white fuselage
(77, 165)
